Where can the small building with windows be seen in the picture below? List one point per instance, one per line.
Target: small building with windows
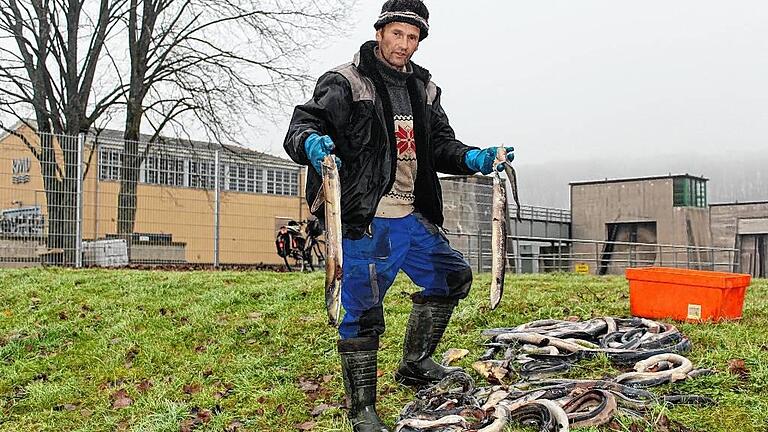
(743, 226)
(180, 215)
(649, 211)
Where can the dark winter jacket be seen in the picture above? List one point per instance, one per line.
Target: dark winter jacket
(352, 106)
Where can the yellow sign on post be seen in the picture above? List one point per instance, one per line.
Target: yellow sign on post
(582, 268)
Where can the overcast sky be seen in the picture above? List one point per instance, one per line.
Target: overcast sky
(563, 80)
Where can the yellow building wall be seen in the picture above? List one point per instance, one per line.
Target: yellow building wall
(24, 194)
(247, 221)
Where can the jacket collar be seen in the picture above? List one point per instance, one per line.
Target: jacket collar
(365, 61)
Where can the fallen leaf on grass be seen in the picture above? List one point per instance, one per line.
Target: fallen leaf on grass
(122, 426)
(453, 355)
(320, 409)
(327, 378)
(492, 370)
(739, 368)
(65, 407)
(379, 373)
(202, 415)
(120, 399)
(86, 412)
(309, 425)
(307, 385)
(130, 356)
(664, 424)
(191, 388)
(255, 316)
(144, 385)
(199, 417)
(221, 394)
(280, 409)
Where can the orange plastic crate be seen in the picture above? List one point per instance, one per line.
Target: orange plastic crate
(681, 294)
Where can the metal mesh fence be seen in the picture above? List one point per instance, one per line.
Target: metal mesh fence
(39, 219)
(541, 240)
(100, 200)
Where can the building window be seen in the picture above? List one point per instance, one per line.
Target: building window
(201, 174)
(245, 178)
(164, 170)
(109, 163)
(689, 192)
(282, 182)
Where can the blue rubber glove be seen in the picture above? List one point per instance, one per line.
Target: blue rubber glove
(483, 160)
(317, 148)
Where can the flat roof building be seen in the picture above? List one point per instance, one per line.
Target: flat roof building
(175, 197)
(658, 210)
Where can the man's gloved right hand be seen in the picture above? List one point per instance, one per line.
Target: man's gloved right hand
(317, 148)
(483, 160)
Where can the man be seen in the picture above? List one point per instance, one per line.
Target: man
(381, 117)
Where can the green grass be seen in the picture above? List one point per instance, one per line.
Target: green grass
(214, 351)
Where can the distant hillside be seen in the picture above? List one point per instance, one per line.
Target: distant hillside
(742, 178)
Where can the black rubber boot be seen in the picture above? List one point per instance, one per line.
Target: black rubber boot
(358, 365)
(426, 327)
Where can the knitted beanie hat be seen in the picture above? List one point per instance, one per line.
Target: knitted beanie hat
(413, 12)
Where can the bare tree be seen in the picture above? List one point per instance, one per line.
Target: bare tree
(48, 72)
(210, 64)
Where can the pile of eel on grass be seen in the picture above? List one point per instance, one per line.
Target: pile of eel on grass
(533, 352)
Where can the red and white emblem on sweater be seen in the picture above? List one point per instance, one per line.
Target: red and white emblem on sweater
(406, 143)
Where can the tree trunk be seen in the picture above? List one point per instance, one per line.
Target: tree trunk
(129, 175)
(61, 196)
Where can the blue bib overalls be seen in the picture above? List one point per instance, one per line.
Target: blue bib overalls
(411, 244)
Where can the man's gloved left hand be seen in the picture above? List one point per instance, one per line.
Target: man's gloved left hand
(317, 148)
(483, 160)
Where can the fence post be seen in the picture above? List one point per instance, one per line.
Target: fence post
(661, 259)
(480, 250)
(217, 210)
(597, 258)
(79, 203)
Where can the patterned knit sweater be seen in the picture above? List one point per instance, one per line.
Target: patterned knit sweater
(398, 202)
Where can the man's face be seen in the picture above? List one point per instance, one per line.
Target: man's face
(397, 42)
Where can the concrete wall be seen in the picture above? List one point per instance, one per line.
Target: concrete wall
(16, 253)
(594, 205)
(698, 235)
(726, 219)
